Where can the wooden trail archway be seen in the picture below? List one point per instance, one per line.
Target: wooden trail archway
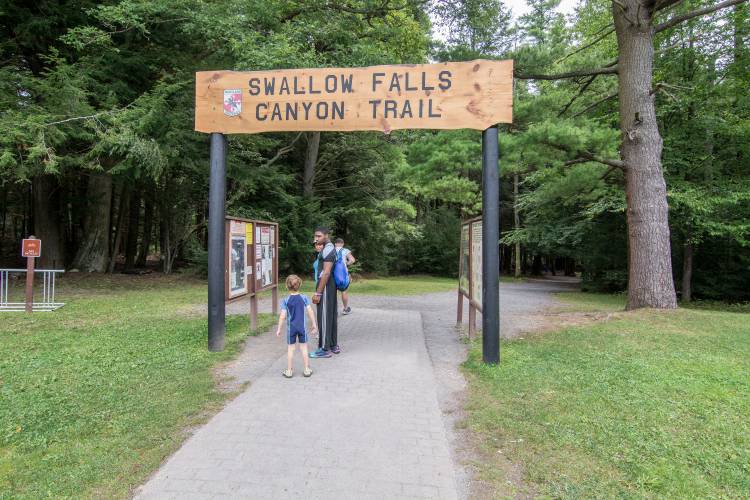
(474, 94)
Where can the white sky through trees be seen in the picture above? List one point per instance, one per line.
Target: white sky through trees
(517, 7)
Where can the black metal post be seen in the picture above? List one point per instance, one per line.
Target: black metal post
(490, 242)
(216, 241)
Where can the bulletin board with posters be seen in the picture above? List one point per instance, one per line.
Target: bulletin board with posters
(252, 261)
(470, 271)
(265, 255)
(476, 264)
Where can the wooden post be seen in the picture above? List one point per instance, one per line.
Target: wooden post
(30, 284)
(253, 311)
(460, 309)
(275, 249)
(31, 248)
(472, 320)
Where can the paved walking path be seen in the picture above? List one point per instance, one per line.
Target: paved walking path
(365, 425)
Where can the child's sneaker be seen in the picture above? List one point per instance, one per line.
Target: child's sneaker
(307, 372)
(320, 353)
(335, 349)
(289, 373)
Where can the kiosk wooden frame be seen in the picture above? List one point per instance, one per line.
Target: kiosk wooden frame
(467, 276)
(250, 232)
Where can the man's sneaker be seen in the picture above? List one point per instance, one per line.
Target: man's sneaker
(346, 311)
(307, 372)
(320, 353)
(335, 349)
(288, 373)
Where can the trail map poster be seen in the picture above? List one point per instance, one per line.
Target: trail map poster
(476, 263)
(453, 95)
(237, 265)
(463, 267)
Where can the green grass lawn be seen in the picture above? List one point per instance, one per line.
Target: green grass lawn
(648, 404)
(95, 395)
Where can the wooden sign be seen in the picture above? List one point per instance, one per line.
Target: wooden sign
(474, 94)
(31, 248)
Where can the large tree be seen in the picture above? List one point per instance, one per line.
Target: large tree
(635, 23)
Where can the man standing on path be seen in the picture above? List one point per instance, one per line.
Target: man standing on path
(325, 297)
(348, 258)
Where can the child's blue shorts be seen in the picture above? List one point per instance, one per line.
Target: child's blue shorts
(293, 338)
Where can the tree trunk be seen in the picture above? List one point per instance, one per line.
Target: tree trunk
(650, 282)
(516, 224)
(28, 212)
(148, 222)
(131, 243)
(47, 222)
(570, 266)
(92, 255)
(508, 260)
(687, 271)
(311, 159)
(3, 219)
(120, 226)
(536, 266)
(165, 245)
(740, 32)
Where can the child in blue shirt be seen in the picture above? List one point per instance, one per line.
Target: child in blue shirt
(293, 309)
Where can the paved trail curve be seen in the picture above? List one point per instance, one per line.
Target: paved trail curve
(376, 421)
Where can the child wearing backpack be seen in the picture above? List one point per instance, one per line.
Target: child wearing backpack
(293, 310)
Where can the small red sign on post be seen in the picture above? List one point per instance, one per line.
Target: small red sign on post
(31, 248)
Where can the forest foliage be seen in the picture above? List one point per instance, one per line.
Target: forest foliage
(98, 156)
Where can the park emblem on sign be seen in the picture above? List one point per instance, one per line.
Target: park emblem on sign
(232, 102)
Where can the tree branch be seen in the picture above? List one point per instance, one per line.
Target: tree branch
(624, 9)
(590, 44)
(664, 4)
(580, 92)
(609, 172)
(595, 104)
(95, 115)
(587, 157)
(281, 152)
(606, 161)
(607, 70)
(699, 12)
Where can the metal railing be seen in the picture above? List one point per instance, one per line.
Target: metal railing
(48, 291)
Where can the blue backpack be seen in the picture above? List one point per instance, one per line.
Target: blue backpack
(340, 273)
